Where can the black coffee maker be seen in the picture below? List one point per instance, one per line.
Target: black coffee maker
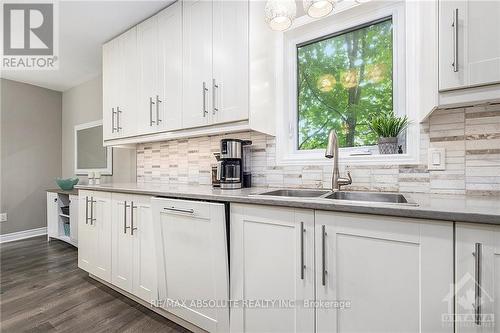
(230, 166)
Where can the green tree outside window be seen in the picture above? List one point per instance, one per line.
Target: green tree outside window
(343, 81)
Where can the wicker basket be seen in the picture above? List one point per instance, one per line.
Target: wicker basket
(388, 145)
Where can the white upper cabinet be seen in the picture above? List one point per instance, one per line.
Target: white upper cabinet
(469, 43)
(186, 72)
(120, 86)
(148, 68)
(230, 61)
(169, 103)
(110, 74)
(197, 67)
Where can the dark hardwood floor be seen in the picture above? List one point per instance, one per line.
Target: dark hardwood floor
(43, 290)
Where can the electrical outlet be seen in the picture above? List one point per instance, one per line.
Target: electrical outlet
(3, 217)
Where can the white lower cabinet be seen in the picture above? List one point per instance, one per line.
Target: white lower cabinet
(272, 258)
(94, 233)
(191, 243)
(133, 263)
(477, 289)
(394, 272)
(387, 274)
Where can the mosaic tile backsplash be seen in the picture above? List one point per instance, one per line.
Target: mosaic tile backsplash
(471, 137)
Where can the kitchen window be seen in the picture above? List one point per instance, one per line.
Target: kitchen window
(338, 73)
(344, 80)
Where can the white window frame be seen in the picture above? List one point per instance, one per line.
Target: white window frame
(306, 29)
(108, 170)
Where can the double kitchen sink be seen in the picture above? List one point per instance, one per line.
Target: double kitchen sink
(366, 197)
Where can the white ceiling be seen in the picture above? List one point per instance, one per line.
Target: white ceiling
(84, 27)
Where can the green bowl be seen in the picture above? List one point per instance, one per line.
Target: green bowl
(67, 184)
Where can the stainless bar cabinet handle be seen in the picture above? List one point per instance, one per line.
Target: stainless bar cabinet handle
(132, 218)
(118, 112)
(158, 101)
(215, 89)
(455, 40)
(302, 266)
(478, 253)
(205, 89)
(86, 210)
(92, 219)
(125, 206)
(151, 103)
(323, 256)
(113, 120)
(190, 211)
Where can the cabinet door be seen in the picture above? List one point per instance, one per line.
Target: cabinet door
(272, 258)
(86, 234)
(477, 278)
(144, 256)
(100, 224)
(394, 274)
(73, 212)
(452, 55)
(192, 252)
(483, 42)
(230, 63)
(126, 121)
(110, 81)
(469, 43)
(148, 37)
(52, 215)
(122, 243)
(197, 62)
(168, 105)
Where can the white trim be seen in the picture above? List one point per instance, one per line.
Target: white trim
(286, 151)
(108, 170)
(241, 126)
(14, 236)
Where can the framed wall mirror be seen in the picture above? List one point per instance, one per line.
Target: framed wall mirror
(90, 154)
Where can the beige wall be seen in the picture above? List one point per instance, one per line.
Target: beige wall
(83, 104)
(30, 153)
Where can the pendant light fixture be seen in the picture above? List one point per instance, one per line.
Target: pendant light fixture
(318, 8)
(280, 14)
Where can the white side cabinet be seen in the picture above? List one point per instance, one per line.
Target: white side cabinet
(394, 272)
(469, 43)
(61, 224)
(94, 236)
(272, 258)
(477, 289)
(191, 247)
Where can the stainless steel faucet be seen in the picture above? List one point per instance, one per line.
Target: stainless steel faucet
(332, 151)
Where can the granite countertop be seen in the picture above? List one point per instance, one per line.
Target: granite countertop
(60, 191)
(457, 208)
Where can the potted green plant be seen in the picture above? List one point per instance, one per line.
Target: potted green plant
(388, 127)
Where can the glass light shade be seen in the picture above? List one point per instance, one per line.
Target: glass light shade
(318, 8)
(280, 14)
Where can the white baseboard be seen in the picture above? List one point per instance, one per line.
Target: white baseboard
(14, 236)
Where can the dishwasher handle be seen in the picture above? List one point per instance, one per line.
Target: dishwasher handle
(179, 210)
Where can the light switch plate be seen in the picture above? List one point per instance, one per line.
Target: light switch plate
(436, 159)
(3, 217)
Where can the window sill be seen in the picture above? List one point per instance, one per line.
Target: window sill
(317, 158)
